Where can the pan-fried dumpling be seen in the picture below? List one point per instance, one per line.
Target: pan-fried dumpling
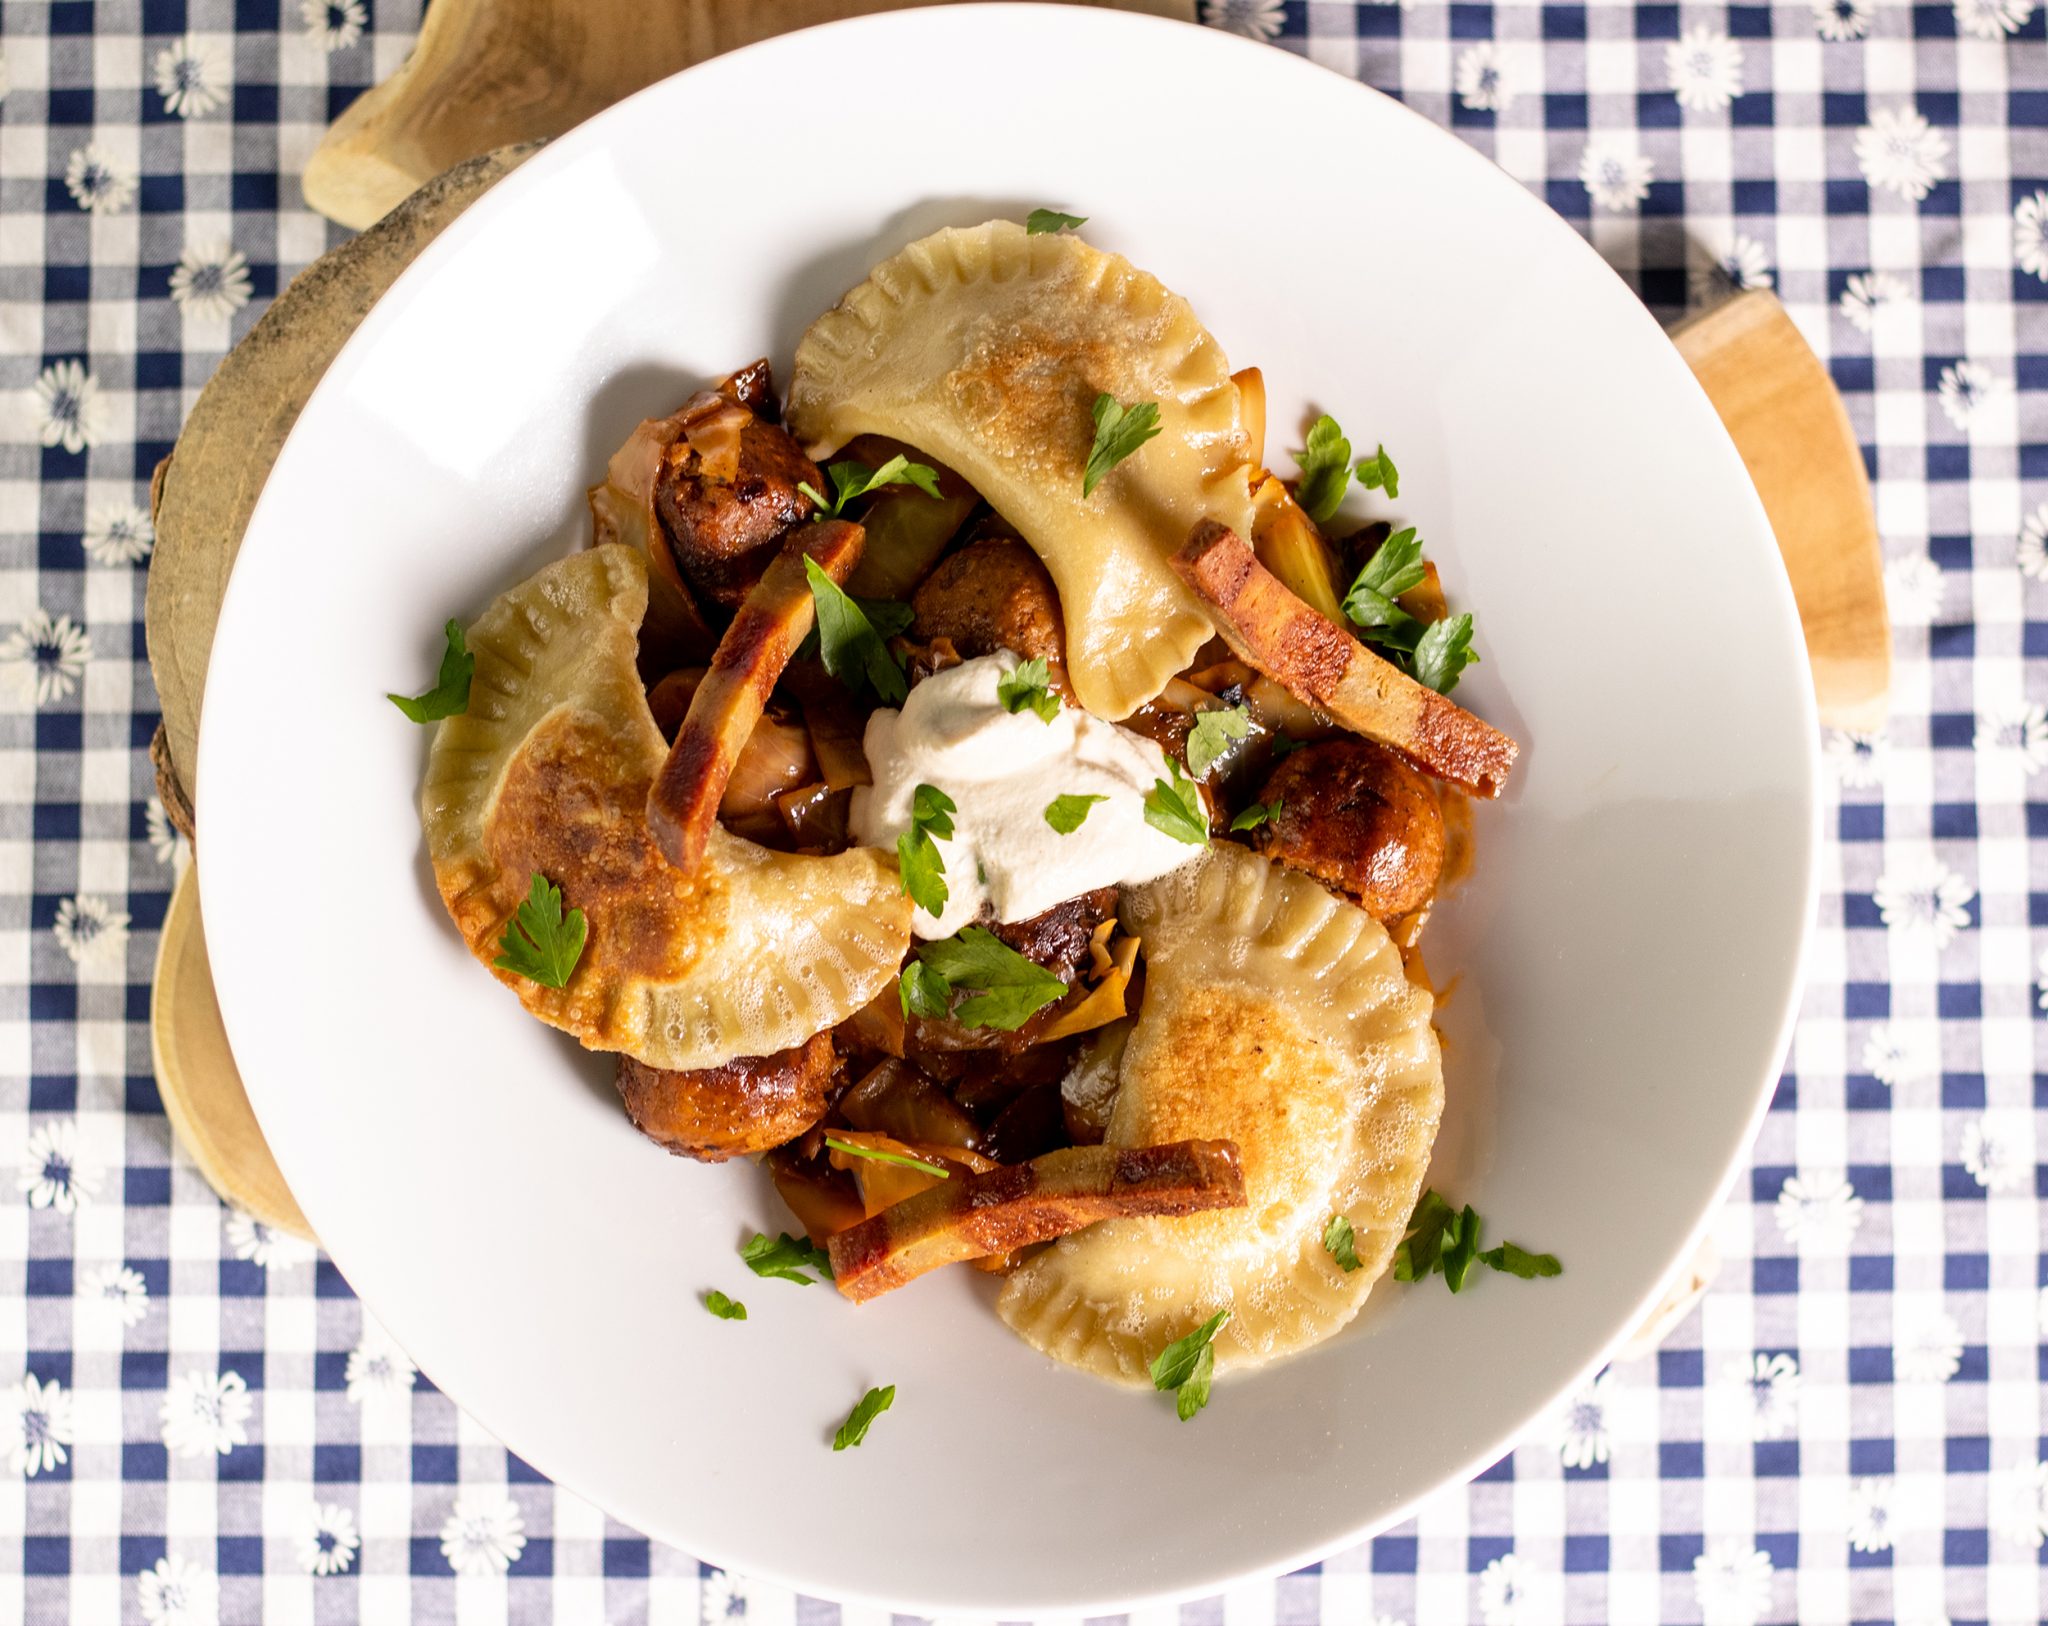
(986, 348)
(1279, 1017)
(548, 773)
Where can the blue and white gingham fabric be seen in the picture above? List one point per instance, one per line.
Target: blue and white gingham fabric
(199, 1424)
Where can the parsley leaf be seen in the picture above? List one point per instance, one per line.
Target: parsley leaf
(1045, 220)
(1341, 1243)
(1007, 988)
(1446, 1239)
(932, 809)
(1119, 431)
(1377, 471)
(786, 1258)
(1419, 1253)
(849, 643)
(853, 1149)
(1443, 652)
(1067, 813)
(1392, 570)
(1325, 469)
(1514, 1260)
(1257, 814)
(724, 1308)
(923, 992)
(1186, 1366)
(540, 944)
(1175, 806)
(449, 697)
(1028, 688)
(851, 479)
(1213, 732)
(1285, 745)
(870, 1406)
(917, 854)
(1461, 1247)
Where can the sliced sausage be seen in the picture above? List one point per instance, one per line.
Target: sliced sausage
(989, 596)
(723, 533)
(1358, 819)
(749, 1104)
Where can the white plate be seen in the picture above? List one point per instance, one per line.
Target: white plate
(1625, 958)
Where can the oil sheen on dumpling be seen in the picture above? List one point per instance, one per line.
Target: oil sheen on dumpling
(986, 348)
(548, 773)
(1279, 1017)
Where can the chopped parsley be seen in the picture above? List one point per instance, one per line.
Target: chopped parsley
(1443, 1239)
(1377, 472)
(1340, 1242)
(1185, 1366)
(1040, 221)
(724, 1308)
(1119, 431)
(917, 854)
(1257, 814)
(1174, 805)
(540, 943)
(851, 643)
(449, 697)
(1325, 470)
(851, 479)
(1067, 813)
(852, 1149)
(1395, 567)
(1433, 653)
(1029, 688)
(1212, 734)
(870, 1406)
(786, 1258)
(923, 992)
(1005, 989)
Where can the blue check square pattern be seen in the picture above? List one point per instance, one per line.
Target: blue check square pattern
(198, 1422)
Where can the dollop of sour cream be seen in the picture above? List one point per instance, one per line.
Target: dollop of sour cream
(1002, 769)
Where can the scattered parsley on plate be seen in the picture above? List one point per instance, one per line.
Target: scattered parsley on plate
(851, 479)
(1119, 431)
(853, 1149)
(1186, 1366)
(1040, 221)
(1257, 814)
(1212, 734)
(870, 1406)
(1067, 813)
(1378, 471)
(1028, 688)
(1341, 1243)
(540, 943)
(1174, 805)
(917, 853)
(851, 643)
(724, 1308)
(1005, 989)
(449, 697)
(1443, 1239)
(786, 1258)
(1325, 464)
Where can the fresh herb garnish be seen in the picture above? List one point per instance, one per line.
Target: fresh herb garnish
(786, 1258)
(1285, 745)
(1433, 654)
(1392, 570)
(1340, 1242)
(1445, 1239)
(923, 992)
(1325, 469)
(1212, 734)
(1186, 1366)
(1006, 989)
(1257, 814)
(1029, 688)
(851, 479)
(1066, 813)
(1119, 431)
(870, 1406)
(724, 1308)
(1174, 805)
(880, 1156)
(449, 697)
(1046, 220)
(540, 943)
(1443, 652)
(1378, 471)
(849, 642)
(917, 854)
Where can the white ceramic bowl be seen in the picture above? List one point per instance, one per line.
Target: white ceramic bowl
(1625, 957)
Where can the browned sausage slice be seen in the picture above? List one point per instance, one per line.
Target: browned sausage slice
(1358, 819)
(990, 596)
(749, 1104)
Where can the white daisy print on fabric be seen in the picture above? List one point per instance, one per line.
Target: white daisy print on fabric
(1819, 1210)
(206, 1412)
(118, 1293)
(211, 280)
(1992, 19)
(328, 1542)
(1507, 1593)
(1581, 1424)
(1732, 1582)
(1857, 758)
(1745, 263)
(118, 533)
(2032, 552)
(1990, 1157)
(1482, 87)
(2019, 1504)
(262, 1244)
(1913, 589)
(336, 24)
(1874, 299)
(42, 1425)
(484, 1534)
(1966, 390)
(1615, 174)
(2030, 234)
(1920, 896)
(1931, 1350)
(164, 840)
(722, 1597)
(1772, 1382)
(1255, 19)
(1901, 1053)
(189, 79)
(175, 1592)
(1842, 19)
(92, 931)
(1871, 1515)
(1900, 152)
(2016, 733)
(52, 652)
(97, 181)
(52, 1173)
(377, 1368)
(1705, 68)
(72, 412)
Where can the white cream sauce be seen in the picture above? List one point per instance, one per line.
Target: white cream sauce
(1001, 769)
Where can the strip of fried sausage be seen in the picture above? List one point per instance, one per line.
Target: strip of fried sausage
(1321, 664)
(973, 1216)
(775, 617)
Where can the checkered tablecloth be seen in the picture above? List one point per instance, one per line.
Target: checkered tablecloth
(200, 1423)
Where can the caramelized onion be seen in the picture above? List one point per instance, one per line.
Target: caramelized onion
(776, 758)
